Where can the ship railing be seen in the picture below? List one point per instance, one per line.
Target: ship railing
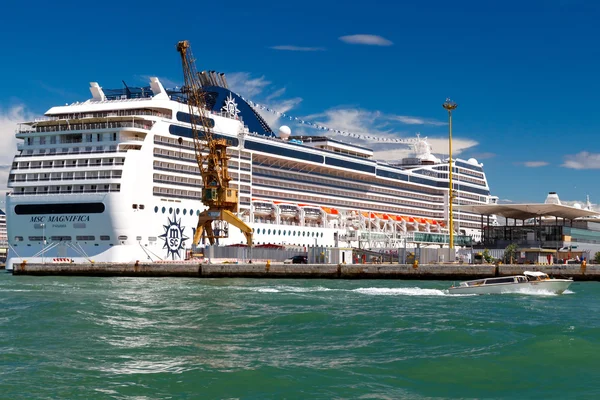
(113, 149)
(84, 127)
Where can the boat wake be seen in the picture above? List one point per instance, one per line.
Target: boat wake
(414, 291)
(284, 289)
(537, 292)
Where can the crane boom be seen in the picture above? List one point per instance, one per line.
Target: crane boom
(212, 158)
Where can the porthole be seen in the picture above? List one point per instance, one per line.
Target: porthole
(290, 233)
(283, 233)
(294, 233)
(177, 211)
(163, 210)
(185, 211)
(170, 210)
(156, 209)
(191, 212)
(304, 233)
(197, 212)
(269, 232)
(279, 232)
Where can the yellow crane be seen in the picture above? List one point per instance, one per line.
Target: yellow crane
(212, 159)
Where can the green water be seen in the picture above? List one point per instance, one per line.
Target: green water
(129, 338)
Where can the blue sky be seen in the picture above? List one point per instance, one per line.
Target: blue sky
(523, 73)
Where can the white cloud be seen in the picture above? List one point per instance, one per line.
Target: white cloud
(582, 160)
(9, 118)
(242, 83)
(371, 40)
(378, 126)
(418, 121)
(484, 155)
(166, 82)
(275, 94)
(282, 106)
(535, 164)
(297, 48)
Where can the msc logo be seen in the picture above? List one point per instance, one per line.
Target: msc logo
(174, 238)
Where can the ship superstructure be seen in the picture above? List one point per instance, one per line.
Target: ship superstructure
(115, 178)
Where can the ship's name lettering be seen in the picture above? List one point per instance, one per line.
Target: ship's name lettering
(60, 218)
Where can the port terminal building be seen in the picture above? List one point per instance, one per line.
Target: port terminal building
(549, 225)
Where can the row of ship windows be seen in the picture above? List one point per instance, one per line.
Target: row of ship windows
(188, 194)
(71, 138)
(177, 180)
(461, 170)
(180, 142)
(358, 178)
(457, 178)
(191, 158)
(343, 203)
(344, 190)
(166, 166)
(82, 162)
(68, 189)
(289, 232)
(69, 150)
(338, 183)
(177, 210)
(147, 125)
(177, 155)
(65, 176)
(344, 193)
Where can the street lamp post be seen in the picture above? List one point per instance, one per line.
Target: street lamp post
(449, 105)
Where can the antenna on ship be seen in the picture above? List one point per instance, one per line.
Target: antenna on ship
(127, 90)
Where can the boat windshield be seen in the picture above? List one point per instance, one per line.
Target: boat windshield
(535, 275)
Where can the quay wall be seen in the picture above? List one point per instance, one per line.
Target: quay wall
(302, 271)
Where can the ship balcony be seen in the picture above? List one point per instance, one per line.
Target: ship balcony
(48, 166)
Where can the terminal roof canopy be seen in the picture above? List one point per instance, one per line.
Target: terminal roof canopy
(526, 211)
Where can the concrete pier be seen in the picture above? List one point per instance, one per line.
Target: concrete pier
(306, 271)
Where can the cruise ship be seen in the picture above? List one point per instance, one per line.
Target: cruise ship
(114, 178)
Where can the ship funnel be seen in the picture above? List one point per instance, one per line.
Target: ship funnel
(552, 198)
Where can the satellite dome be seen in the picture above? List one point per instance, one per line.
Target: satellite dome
(473, 161)
(577, 205)
(284, 132)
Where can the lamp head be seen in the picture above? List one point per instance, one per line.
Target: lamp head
(449, 105)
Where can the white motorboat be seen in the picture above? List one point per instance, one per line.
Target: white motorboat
(535, 281)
